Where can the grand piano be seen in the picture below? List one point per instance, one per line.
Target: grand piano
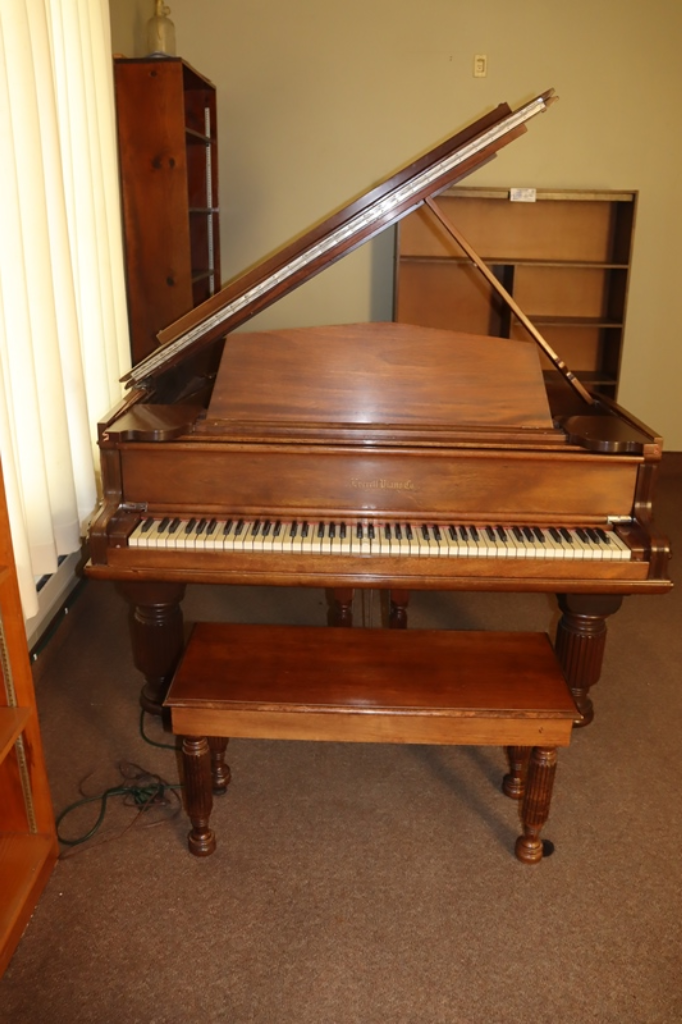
(377, 455)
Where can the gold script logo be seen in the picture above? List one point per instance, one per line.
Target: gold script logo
(381, 484)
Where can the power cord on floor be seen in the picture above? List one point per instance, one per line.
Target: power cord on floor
(141, 789)
(153, 743)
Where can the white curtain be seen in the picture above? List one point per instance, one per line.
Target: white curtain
(63, 328)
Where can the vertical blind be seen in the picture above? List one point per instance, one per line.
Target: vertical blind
(63, 327)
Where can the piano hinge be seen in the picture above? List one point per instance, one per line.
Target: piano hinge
(133, 506)
(620, 519)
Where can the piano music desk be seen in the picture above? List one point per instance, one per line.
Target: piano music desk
(375, 686)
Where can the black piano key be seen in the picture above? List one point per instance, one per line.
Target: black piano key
(239, 528)
(566, 534)
(191, 523)
(277, 529)
(201, 526)
(408, 531)
(267, 526)
(539, 535)
(359, 533)
(453, 532)
(518, 534)
(342, 531)
(491, 533)
(528, 533)
(320, 530)
(398, 531)
(436, 532)
(147, 525)
(294, 528)
(603, 535)
(464, 533)
(255, 529)
(425, 531)
(305, 529)
(370, 531)
(474, 533)
(174, 526)
(501, 533)
(227, 527)
(387, 531)
(593, 535)
(332, 531)
(554, 534)
(211, 528)
(582, 534)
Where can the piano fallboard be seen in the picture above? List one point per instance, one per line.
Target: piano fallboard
(519, 485)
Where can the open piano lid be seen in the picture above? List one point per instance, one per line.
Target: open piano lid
(208, 323)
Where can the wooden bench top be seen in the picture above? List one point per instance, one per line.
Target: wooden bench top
(248, 671)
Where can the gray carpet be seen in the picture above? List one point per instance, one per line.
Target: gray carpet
(361, 883)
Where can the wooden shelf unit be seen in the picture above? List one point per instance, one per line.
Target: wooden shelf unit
(168, 157)
(565, 259)
(28, 841)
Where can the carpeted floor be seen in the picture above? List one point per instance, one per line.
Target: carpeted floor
(358, 884)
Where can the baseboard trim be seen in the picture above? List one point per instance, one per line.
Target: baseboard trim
(52, 598)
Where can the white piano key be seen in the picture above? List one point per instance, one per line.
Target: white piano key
(200, 537)
(384, 539)
(345, 538)
(366, 539)
(137, 537)
(293, 540)
(228, 535)
(491, 547)
(307, 538)
(240, 535)
(401, 541)
(278, 532)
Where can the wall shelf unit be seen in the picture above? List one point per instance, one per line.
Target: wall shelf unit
(565, 258)
(168, 158)
(28, 841)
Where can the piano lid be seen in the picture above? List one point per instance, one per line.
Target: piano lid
(376, 382)
(297, 262)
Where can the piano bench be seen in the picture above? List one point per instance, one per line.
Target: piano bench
(373, 686)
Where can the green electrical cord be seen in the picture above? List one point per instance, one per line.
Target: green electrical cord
(146, 790)
(153, 743)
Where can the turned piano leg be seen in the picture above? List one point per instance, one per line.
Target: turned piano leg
(156, 632)
(580, 643)
(537, 798)
(340, 606)
(399, 600)
(196, 762)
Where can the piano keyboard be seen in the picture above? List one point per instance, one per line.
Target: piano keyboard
(353, 537)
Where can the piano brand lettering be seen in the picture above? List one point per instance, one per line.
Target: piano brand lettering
(382, 484)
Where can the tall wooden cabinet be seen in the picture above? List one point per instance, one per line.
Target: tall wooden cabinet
(28, 842)
(168, 157)
(565, 258)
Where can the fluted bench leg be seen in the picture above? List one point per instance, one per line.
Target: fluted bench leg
(196, 759)
(536, 803)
